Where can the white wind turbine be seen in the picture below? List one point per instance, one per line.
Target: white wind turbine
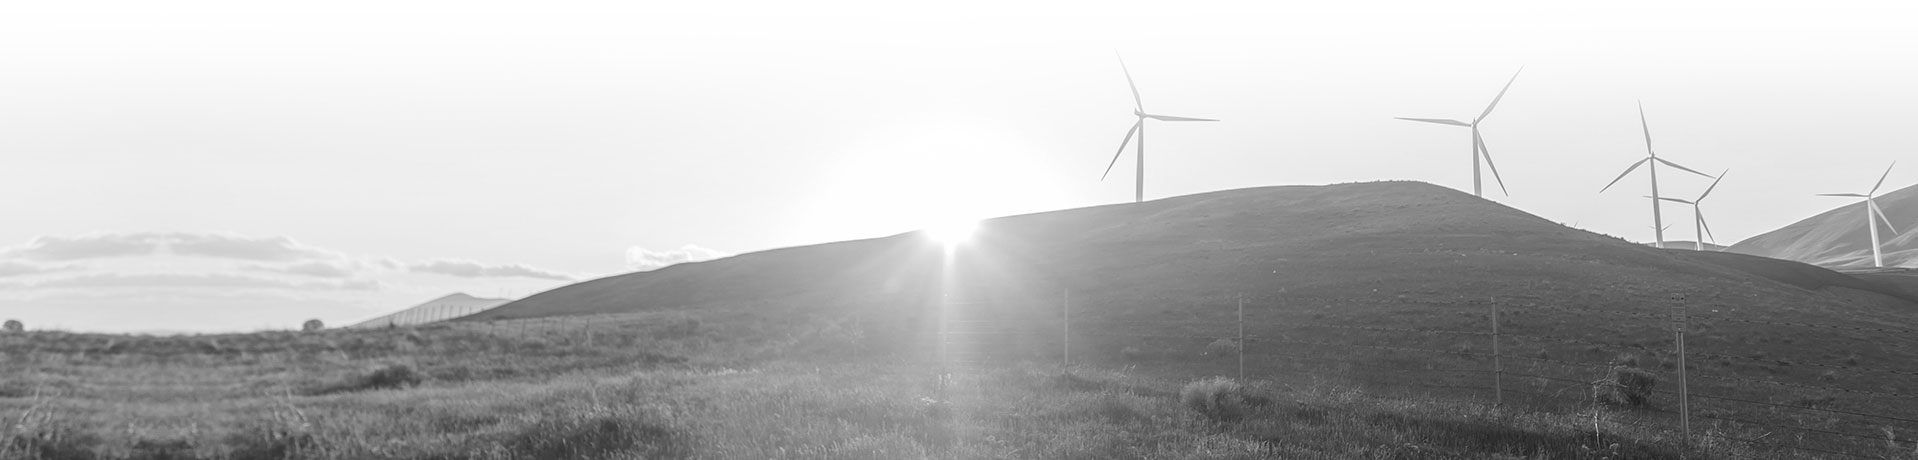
(1873, 215)
(1478, 143)
(1138, 127)
(1700, 229)
(1658, 220)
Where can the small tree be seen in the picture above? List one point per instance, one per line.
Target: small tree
(14, 325)
(312, 325)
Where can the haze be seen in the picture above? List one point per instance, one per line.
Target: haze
(342, 160)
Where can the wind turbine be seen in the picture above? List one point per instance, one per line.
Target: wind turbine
(1873, 215)
(1478, 143)
(1138, 127)
(1658, 220)
(1700, 229)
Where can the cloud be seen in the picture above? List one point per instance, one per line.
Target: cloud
(641, 259)
(203, 280)
(230, 246)
(93, 246)
(313, 269)
(471, 269)
(17, 268)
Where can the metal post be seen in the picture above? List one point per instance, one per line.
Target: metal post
(1684, 389)
(1065, 336)
(1498, 366)
(1242, 337)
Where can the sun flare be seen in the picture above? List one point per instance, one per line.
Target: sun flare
(952, 233)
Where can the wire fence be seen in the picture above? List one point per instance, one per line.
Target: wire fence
(1636, 371)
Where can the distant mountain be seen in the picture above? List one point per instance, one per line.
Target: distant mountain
(443, 308)
(1838, 238)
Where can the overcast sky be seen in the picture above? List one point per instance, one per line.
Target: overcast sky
(191, 166)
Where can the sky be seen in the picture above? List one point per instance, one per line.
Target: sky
(231, 166)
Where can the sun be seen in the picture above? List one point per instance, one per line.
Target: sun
(953, 232)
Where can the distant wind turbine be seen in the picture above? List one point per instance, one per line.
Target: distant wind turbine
(1658, 220)
(1873, 215)
(1478, 143)
(1700, 229)
(1138, 128)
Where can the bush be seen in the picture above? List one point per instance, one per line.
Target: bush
(14, 325)
(1131, 353)
(312, 325)
(1625, 386)
(393, 376)
(1222, 347)
(1217, 398)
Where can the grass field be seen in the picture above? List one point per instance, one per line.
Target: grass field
(713, 386)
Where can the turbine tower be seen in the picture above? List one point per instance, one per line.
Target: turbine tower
(1478, 143)
(1700, 229)
(1138, 127)
(1873, 215)
(1658, 220)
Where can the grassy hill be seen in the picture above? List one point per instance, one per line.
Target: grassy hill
(444, 307)
(1387, 285)
(1838, 238)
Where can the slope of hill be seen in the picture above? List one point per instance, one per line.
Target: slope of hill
(447, 307)
(1388, 241)
(1390, 285)
(1838, 238)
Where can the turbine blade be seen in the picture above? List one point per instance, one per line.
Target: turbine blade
(1674, 200)
(1881, 179)
(1441, 121)
(1642, 124)
(1487, 153)
(1137, 103)
(1708, 190)
(1846, 195)
(1881, 215)
(1122, 144)
(1622, 175)
(1675, 165)
(1173, 118)
(1501, 95)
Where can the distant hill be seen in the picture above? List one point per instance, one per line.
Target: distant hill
(1369, 242)
(1690, 245)
(1838, 238)
(448, 307)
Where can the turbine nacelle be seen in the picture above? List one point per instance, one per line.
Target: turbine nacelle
(1479, 151)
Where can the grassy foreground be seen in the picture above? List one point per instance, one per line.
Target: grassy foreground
(673, 389)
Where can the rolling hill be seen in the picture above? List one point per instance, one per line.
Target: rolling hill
(1387, 285)
(445, 307)
(1383, 242)
(1838, 238)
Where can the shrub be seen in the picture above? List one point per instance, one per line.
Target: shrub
(392, 376)
(1222, 347)
(1625, 386)
(1217, 398)
(312, 325)
(1131, 353)
(14, 325)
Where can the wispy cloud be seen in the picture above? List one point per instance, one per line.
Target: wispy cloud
(18, 268)
(472, 269)
(91, 246)
(231, 246)
(313, 269)
(641, 259)
(201, 280)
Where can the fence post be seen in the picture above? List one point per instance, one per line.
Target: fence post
(1065, 336)
(1242, 336)
(1684, 389)
(1498, 365)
